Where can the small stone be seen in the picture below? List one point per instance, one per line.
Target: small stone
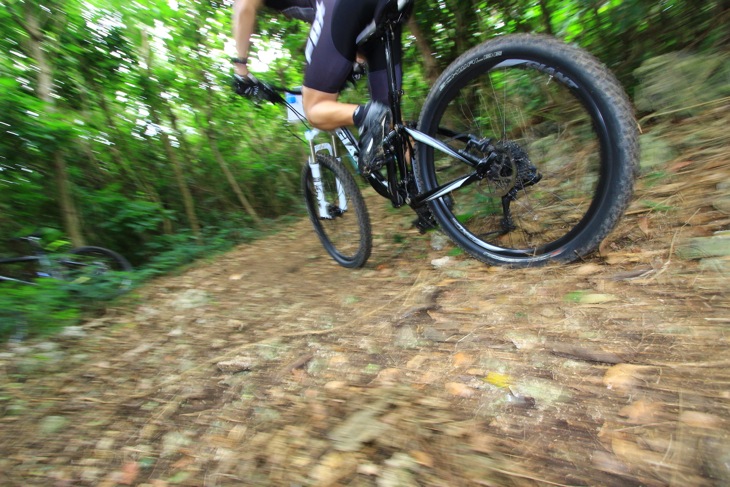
(368, 469)
(237, 364)
(406, 337)
(588, 270)
(442, 262)
(177, 332)
(172, 442)
(434, 335)
(398, 472)
(439, 241)
(72, 332)
(192, 298)
(702, 247)
(47, 346)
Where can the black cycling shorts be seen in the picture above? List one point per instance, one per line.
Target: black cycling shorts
(332, 47)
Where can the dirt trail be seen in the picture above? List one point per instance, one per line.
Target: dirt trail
(270, 365)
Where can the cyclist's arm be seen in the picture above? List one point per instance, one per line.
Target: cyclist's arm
(244, 20)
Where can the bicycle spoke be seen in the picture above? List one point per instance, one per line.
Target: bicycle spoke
(337, 212)
(545, 151)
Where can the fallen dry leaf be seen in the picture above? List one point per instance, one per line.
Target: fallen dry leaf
(698, 419)
(597, 298)
(499, 380)
(130, 471)
(422, 458)
(623, 377)
(462, 358)
(641, 412)
(588, 270)
(458, 389)
(644, 225)
(389, 376)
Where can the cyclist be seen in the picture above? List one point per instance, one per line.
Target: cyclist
(331, 52)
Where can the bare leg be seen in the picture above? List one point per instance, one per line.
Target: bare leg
(324, 111)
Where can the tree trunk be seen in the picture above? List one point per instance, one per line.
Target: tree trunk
(67, 206)
(212, 142)
(172, 158)
(177, 166)
(210, 135)
(248, 208)
(71, 220)
(429, 62)
(121, 162)
(546, 17)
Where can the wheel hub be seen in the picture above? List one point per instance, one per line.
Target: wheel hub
(505, 167)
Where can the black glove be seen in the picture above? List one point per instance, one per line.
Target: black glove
(247, 86)
(252, 88)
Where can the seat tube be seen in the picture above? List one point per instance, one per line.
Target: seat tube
(394, 91)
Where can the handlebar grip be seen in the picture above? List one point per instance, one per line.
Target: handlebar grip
(251, 87)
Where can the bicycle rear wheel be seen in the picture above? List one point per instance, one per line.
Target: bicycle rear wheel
(339, 215)
(561, 141)
(98, 265)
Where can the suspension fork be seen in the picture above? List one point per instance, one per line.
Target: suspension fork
(314, 167)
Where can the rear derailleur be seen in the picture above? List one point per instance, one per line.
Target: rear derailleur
(508, 167)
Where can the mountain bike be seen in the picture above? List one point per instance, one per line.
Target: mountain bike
(79, 265)
(525, 153)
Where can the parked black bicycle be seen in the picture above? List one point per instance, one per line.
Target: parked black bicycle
(525, 153)
(80, 265)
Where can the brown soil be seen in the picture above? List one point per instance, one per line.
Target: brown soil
(270, 365)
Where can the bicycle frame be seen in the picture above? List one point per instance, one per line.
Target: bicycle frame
(396, 184)
(41, 257)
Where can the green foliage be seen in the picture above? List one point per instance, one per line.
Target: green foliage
(48, 304)
(125, 76)
(43, 308)
(171, 252)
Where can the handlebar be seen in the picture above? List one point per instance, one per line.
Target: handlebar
(251, 87)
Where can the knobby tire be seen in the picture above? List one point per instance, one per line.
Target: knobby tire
(567, 146)
(345, 233)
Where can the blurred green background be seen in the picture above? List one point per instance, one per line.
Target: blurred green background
(119, 128)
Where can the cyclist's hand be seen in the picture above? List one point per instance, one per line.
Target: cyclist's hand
(247, 86)
(250, 87)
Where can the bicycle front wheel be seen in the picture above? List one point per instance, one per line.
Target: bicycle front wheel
(558, 144)
(98, 265)
(337, 211)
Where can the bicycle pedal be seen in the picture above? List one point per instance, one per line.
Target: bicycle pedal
(375, 165)
(424, 224)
